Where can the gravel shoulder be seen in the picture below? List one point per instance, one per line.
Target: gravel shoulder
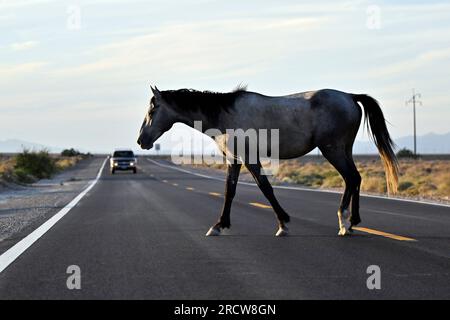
(24, 208)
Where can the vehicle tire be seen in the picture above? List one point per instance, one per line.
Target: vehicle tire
(113, 171)
(134, 171)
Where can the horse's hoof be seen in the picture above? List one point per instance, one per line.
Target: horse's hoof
(345, 231)
(282, 232)
(345, 226)
(213, 232)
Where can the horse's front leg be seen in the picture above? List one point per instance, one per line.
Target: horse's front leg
(264, 184)
(230, 190)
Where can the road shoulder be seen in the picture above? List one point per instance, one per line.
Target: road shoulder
(23, 209)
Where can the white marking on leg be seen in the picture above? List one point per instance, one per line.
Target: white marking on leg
(212, 232)
(344, 222)
(283, 231)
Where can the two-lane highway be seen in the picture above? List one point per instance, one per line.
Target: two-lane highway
(143, 236)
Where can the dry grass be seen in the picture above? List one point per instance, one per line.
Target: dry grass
(212, 163)
(10, 172)
(63, 163)
(429, 179)
(6, 167)
(418, 178)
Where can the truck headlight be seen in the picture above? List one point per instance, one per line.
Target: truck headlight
(131, 163)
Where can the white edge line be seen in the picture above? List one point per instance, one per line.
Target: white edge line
(15, 251)
(300, 188)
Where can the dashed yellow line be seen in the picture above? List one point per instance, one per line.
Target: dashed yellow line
(383, 234)
(362, 229)
(260, 205)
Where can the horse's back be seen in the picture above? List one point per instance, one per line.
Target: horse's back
(308, 105)
(304, 119)
(304, 99)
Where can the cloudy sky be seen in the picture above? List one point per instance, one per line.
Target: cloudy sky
(77, 73)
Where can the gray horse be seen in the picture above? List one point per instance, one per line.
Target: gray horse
(327, 119)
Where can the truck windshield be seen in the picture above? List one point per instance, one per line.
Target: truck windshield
(123, 154)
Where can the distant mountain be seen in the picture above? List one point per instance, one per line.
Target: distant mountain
(15, 145)
(428, 143)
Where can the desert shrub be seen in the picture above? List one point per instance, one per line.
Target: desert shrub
(37, 164)
(405, 153)
(22, 175)
(70, 152)
(405, 185)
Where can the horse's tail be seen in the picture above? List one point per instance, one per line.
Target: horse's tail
(376, 126)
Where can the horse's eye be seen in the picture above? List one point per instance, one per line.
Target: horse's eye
(152, 111)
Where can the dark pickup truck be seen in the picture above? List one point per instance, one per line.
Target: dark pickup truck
(123, 160)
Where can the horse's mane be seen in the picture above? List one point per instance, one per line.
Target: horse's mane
(209, 103)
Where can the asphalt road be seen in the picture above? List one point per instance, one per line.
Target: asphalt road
(143, 237)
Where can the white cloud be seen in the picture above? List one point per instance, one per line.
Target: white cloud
(10, 71)
(21, 46)
(227, 47)
(409, 65)
(14, 4)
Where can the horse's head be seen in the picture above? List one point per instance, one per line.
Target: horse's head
(158, 120)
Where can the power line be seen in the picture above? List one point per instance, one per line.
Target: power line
(414, 100)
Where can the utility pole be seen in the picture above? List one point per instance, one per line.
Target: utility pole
(414, 100)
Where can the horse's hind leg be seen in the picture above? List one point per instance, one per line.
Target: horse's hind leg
(264, 184)
(341, 159)
(230, 191)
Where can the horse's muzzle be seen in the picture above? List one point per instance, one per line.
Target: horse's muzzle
(143, 145)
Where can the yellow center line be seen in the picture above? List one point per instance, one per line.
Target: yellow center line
(383, 234)
(260, 205)
(190, 188)
(215, 194)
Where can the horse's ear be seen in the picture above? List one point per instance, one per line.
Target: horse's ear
(156, 92)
